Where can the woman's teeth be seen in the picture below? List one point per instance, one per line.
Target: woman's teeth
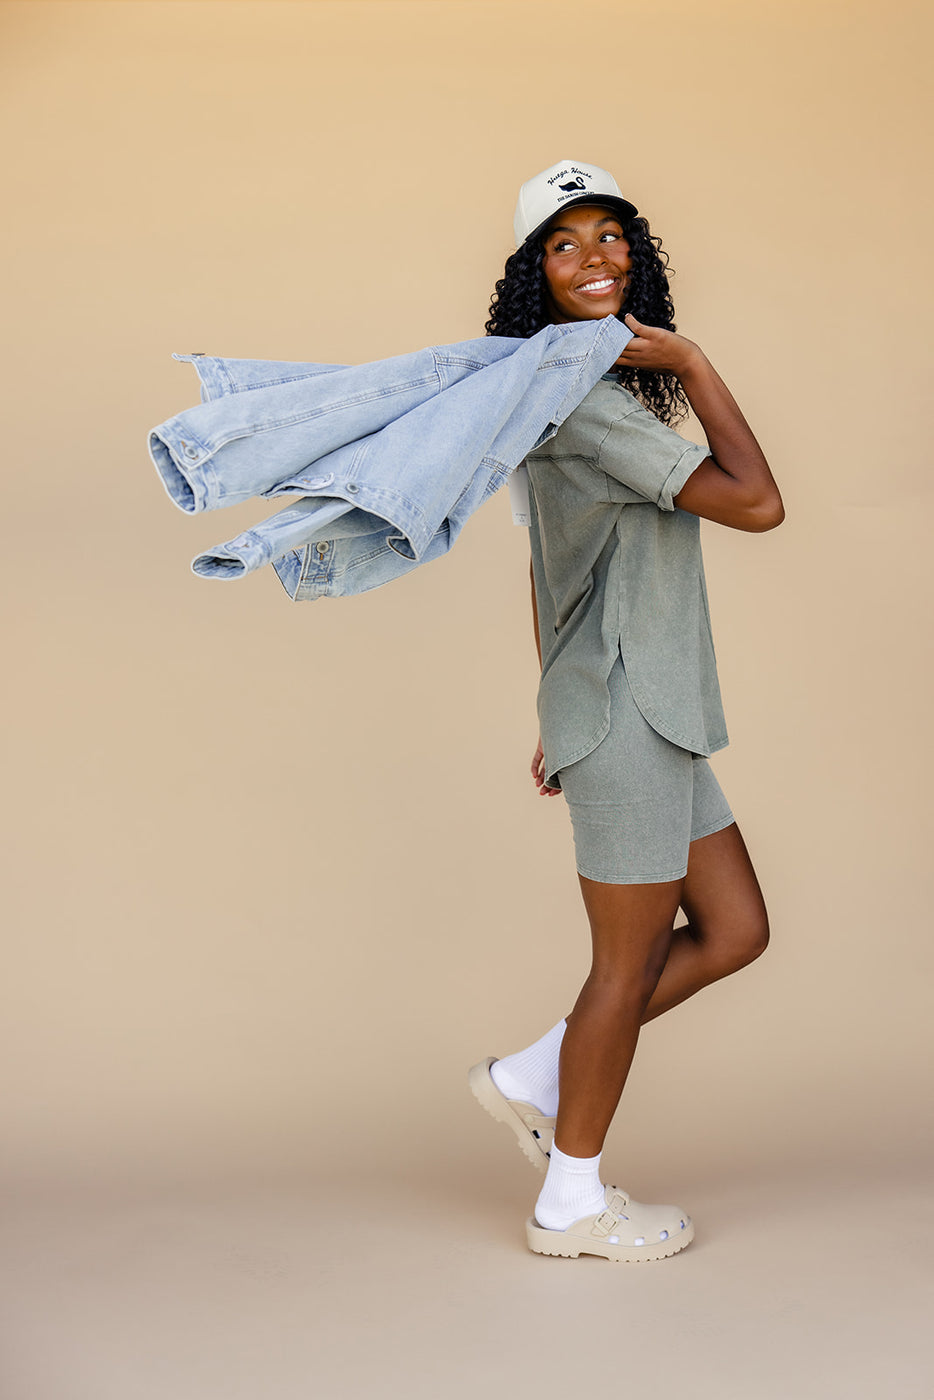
(598, 286)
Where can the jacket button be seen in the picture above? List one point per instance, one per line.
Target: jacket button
(352, 486)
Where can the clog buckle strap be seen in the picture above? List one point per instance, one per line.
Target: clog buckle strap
(608, 1219)
(536, 1122)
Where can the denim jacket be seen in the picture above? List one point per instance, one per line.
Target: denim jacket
(388, 459)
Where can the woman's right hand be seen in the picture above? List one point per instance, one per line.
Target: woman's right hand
(654, 347)
(538, 774)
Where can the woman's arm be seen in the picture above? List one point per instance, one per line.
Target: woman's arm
(733, 486)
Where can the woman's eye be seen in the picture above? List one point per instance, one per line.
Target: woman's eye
(564, 245)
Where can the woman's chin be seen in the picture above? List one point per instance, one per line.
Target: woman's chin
(596, 310)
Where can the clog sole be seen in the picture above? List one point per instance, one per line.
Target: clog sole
(568, 1245)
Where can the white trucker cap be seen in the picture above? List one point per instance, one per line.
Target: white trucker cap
(562, 186)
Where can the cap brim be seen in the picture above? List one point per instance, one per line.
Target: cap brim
(603, 201)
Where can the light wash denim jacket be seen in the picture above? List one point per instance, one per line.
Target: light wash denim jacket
(388, 458)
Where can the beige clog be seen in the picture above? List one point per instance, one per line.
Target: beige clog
(626, 1232)
(533, 1130)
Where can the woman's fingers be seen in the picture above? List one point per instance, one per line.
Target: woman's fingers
(538, 773)
(655, 347)
(635, 352)
(644, 341)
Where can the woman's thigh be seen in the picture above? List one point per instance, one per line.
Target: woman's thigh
(631, 931)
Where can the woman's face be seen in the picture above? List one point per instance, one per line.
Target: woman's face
(586, 264)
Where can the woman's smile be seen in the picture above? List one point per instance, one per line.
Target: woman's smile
(599, 287)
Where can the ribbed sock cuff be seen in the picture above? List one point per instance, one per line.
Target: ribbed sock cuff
(531, 1075)
(572, 1190)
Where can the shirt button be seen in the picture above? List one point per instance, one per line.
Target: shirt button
(352, 486)
(322, 550)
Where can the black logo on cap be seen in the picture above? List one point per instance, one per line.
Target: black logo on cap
(577, 184)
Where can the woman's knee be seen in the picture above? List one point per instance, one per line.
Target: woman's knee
(628, 981)
(724, 904)
(744, 939)
(755, 938)
(631, 930)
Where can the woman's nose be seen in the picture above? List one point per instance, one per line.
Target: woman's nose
(594, 257)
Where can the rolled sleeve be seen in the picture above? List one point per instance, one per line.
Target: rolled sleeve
(649, 458)
(689, 460)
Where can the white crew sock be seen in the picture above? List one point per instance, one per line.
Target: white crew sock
(532, 1075)
(572, 1190)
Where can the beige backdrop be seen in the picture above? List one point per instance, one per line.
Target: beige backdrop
(277, 873)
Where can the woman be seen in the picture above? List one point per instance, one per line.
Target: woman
(628, 700)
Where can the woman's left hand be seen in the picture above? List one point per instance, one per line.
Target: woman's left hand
(538, 773)
(652, 347)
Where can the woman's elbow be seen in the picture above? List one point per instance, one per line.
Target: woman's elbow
(765, 514)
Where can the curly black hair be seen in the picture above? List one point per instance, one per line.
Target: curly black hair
(518, 309)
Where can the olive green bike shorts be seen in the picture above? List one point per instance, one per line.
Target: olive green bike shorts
(637, 800)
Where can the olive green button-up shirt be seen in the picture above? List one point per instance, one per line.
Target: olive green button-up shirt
(618, 571)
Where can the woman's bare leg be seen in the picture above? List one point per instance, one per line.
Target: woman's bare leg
(631, 930)
(727, 924)
(642, 967)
